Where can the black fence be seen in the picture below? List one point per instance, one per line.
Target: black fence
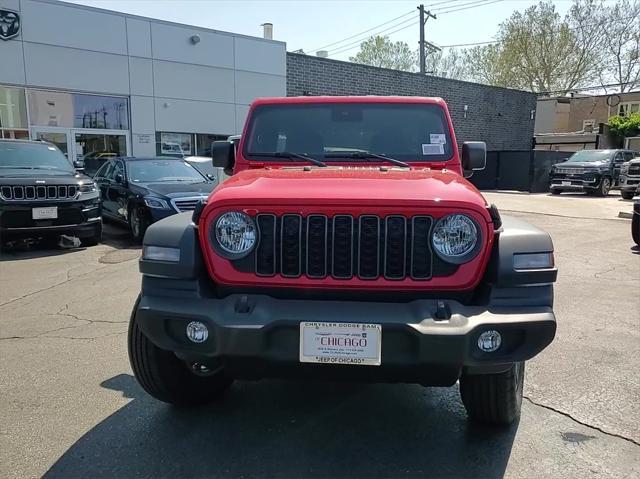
(518, 170)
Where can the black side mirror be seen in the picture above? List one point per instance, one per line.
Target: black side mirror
(223, 155)
(119, 178)
(78, 165)
(474, 156)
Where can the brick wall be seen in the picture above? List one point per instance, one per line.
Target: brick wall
(501, 117)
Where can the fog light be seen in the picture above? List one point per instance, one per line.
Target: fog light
(197, 332)
(489, 341)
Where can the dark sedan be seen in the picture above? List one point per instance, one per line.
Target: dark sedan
(140, 191)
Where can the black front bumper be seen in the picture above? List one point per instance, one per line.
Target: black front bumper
(259, 336)
(629, 183)
(75, 218)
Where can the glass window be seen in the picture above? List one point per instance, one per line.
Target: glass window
(118, 169)
(33, 157)
(203, 143)
(103, 172)
(595, 156)
(629, 107)
(55, 108)
(174, 144)
(153, 171)
(410, 132)
(13, 108)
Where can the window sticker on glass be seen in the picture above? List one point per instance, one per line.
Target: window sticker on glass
(438, 138)
(428, 149)
(51, 148)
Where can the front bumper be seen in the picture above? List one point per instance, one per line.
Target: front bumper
(77, 218)
(256, 336)
(629, 183)
(581, 182)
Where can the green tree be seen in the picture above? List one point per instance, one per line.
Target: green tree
(381, 52)
(451, 64)
(622, 127)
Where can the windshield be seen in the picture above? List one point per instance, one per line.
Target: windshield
(155, 171)
(590, 156)
(31, 156)
(204, 167)
(335, 131)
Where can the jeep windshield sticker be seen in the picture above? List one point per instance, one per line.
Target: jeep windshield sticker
(428, 149)
(438, 138)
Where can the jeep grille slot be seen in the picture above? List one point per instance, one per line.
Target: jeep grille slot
(30, 193)
(367, 247)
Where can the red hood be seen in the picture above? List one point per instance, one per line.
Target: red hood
(349, 185)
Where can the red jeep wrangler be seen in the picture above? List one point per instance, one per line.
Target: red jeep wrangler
(347, 244)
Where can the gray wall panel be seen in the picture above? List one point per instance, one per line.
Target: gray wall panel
(171, 42)
(194, 116)
(193, 82)
(141, 76)
(260, 56)
(139, 37)
(10, 5)
(12, 70)
(250, 86)
(142, 114)
(59, 24)
(85, 71)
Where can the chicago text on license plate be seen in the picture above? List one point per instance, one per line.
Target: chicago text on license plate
(340, 343)
(47, 213)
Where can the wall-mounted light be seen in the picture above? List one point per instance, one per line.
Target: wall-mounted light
(533, 114)
(194, 39)
(465, 108)
(166, 104)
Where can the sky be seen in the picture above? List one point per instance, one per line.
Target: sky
(312, 25)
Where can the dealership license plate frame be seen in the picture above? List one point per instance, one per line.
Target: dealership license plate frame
(45, 213)
(311, 351)
(566, 183)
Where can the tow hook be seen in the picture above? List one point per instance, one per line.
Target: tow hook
(443, 311)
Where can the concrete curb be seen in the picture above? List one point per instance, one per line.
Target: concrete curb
(625, 214)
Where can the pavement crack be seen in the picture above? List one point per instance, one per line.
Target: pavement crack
(569, 416)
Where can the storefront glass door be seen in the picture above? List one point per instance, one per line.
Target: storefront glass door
(93, 147)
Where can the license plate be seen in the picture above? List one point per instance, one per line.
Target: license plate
(48, 213)
(340, 343)
(566, 183)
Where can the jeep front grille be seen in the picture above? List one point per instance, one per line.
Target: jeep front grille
(36, 193)
(342, 247)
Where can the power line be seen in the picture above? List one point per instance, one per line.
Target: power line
(586, 88)
(482, 3)
(468, 44)
(360, 33)
(359, 41)
(357, 45)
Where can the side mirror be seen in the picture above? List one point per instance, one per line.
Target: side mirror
(78, 165)
(223, 155)
(119, 179)
(474, 156)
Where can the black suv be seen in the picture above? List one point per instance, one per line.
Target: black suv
(41, 194)
(592, 171)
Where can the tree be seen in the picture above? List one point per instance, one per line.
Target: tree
(621, 46)
(381, 52)
(622, 127)
(539, 51)
(448, 65)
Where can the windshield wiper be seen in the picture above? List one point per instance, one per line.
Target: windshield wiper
(366, 155)
(291, 156)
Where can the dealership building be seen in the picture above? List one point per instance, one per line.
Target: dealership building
(92, 80)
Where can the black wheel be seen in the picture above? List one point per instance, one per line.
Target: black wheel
(169, 379)
(604, 187)
(635, 229)
(493, 398)
(94, 239)
(138, 223)
(627, 195)
(555, 191)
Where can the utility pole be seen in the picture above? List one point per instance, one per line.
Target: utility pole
(424, 16)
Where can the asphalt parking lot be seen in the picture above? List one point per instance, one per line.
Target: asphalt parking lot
(71, 407)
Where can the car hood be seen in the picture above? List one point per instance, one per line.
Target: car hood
(177, 189)
(349, 185)
(40, 177)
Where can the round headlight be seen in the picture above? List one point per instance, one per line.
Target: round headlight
(236, 233)
(455, 238)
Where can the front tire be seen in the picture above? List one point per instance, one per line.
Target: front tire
(604, 187)
(555, 191)
(627, 195)
(167, 378)
(494, 399)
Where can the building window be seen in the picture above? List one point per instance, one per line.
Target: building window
(13, 113)
(174, 144)
(628, 108)
(71, 110)
(203, 143)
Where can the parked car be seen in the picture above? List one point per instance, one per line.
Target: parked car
(140, 191)
(630, 178)
(592, 171)
(41, 194)
(347, 244)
